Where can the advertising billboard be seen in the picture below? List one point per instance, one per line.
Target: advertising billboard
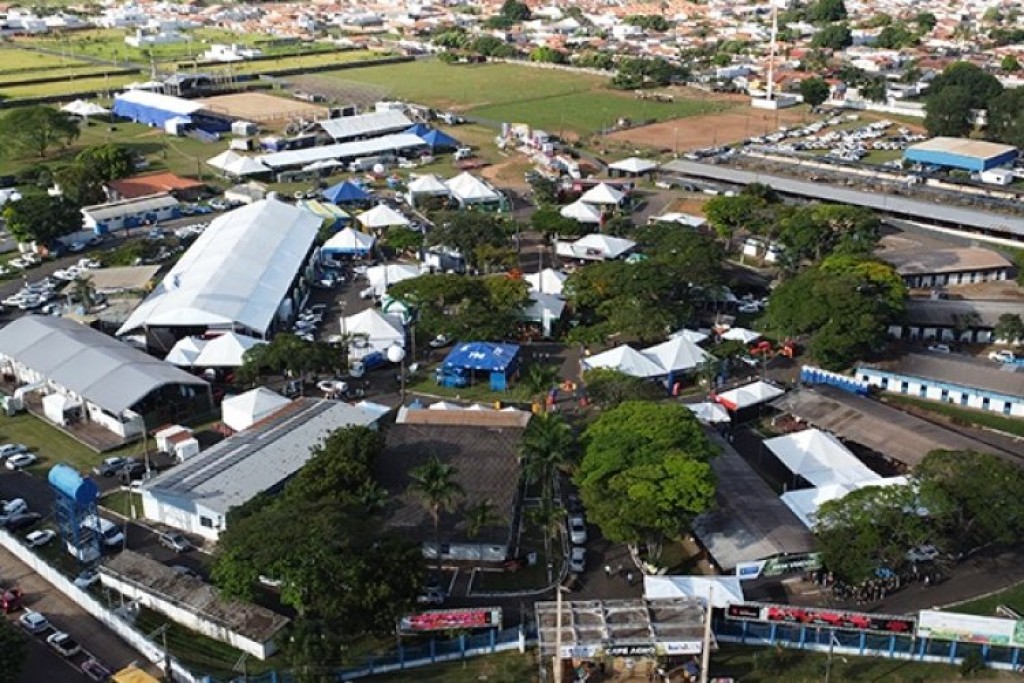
(830, 618)
(448, 619)
(658, 649)
(968, 628)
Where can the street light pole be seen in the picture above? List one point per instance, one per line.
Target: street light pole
(828, 660)
(557, 659)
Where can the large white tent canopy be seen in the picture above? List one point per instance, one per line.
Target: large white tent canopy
(235, 164)
(819, 458)
(634, 165)
(349, 241)
(595, 247)
(185, 351)
(627, 360)
(84, 109)
(548, 281)
(428, 184)
(382, 277)
(468, 189)
(805, 503)
(372, 331)
(719, 591)
(696, 336)
(603, 194)
(244, 410)
(709, 413)
(382, 216)
(678, 354)
(582, 212)
(226, 351)
(749, 395)
(741, 334)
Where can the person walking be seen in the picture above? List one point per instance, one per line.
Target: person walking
(607, 571)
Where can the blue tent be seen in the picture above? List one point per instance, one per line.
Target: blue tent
(419, 129)
(345, 192)
(500, 361)
(438, 140)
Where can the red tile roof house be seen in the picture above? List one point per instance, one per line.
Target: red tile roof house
(154, 183)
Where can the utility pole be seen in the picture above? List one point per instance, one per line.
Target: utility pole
(705, 655)
(557, 659)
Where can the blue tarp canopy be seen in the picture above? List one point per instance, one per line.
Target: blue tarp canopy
(344, 192)
(419, 129)
(438, 140)
(483, 356)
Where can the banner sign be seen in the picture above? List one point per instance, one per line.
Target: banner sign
(659, 649)
(750, 570)
(787, 564)
(967, 628)
(830, 618)
(447, 619)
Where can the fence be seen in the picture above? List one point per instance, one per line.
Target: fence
(863, 644)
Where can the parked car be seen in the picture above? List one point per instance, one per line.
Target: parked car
(439, 342)
(9, 508)
(11, 600)
(131, 472)
(96, 671)
(922, 553)
(87, 578)
(431, 596)
(111, 466)
(21, 460)
(577, 559)
(182, 570)
(939, 348)
(175, 542)
(64, 644)
(34, 622)
(1003, 356)
(577, 529)
(22, 520)
(9, 449)
(39, 538)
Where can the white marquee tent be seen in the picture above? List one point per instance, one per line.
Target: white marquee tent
(235, 164)
(819, 458)
(373, 331)
(548, 281)
(468, 189)
(709, 413)
(226, 350)
(545, 309)
(348, 241)
(595, 247)
(741, 334)
(381, 216)
(678, 354)
(428, 185)
(84, 109)
(603, 194)
(696, 336)
(581, 212)
(749, 395)
(244, 410)
(382, 277)
(634, 165)
(720, 591)
(805, 503)
(626, 360)
(185, 351)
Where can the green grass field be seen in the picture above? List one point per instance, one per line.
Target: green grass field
(68, 87)
(1012, 597)
(979, 418)
(20, 59)
(52, 445)
(294, 62)
(548, 99)
(7, 79)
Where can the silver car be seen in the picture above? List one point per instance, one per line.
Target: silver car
(577, 560)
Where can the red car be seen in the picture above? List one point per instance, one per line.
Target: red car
(11, 601)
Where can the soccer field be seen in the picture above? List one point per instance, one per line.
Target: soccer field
(550, 99)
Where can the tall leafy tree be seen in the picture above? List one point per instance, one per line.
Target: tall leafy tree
(1006, 118)
(546, 447)
(979, 87)
(814, 91)
(833, 37)
(12, 653)
(826, 10)
(1010, 327)
(107, 162)
(948, 112)
(79, 185)
(435, 485)
(479, 517)
(42, 218)
(34, 130)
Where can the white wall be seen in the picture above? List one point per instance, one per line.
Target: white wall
(975, 398)
(166, 511)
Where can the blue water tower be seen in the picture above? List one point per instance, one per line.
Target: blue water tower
(75, 503)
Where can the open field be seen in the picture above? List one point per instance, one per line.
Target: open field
(10, 78)
(316, 59)
(68, 87)
(20, 59)
(710, 130)
(553, 100)
(1012, 597)
(258, 106)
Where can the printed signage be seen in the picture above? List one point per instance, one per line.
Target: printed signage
(447, 619)
(968, 628)
(787, 564)
(831, 618)
(750, 570)
(659, 649)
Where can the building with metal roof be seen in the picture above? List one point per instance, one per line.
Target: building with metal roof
(940, 214)
(962, 153)
(129, 213)
(369, 125)
(947, 267)
(100, 379)
(954, 320)
(243, 274)
(951, 378)
(197, 495)
(398, 143)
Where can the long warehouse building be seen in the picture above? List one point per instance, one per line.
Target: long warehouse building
(961, 153)
(996, 224)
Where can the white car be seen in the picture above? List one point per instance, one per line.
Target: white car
(577, 529)
(939, 348)
(21, 460)
(577, 560)
(9, 449)
(922, 553)
(40, 538)
(64, 644)
(13, 507)
(87, 578)
(34, 622)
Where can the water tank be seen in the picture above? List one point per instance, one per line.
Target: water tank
(70, 483)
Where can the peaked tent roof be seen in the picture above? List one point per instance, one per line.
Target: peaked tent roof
(805, 503)
(440, 140)
(419, 129)
(468, 188)
(83, 108)
(487, 356)
(349, 241)
(236, 164)
(819, 458)
(626, 360)
(603, 193)
(428, 184)
(749, 395)
(226, 351)
(677, 354)
(345, 191)
(711, 413)
(610, 247)
(721, 591)
(377, 328)
(581, 211)
(741, 334)
(696, 336)
(251, 407)
(383, 276)
(634, 165)
(548, 281)
(381, 216)
(185, 351)
(237, 272)
(544, 306)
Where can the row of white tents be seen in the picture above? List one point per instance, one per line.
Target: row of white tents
(678, 354)
(588, 208)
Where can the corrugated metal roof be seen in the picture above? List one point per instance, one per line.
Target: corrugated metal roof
(964, 147)
(944, 312)
(960, 370)
(100, 369)
(363, 125)
(346, 150)
(888, 203)
(923, 262)
(259, 458)
(129, 207)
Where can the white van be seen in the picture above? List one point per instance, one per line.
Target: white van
(110, 534)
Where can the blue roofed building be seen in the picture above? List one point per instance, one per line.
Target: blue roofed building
(500, 362)
(961, 153)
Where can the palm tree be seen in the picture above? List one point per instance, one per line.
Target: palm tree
(478, 517)
(550, 520)
(434, 484)
(546, 447)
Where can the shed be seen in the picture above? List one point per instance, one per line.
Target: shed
(244, 410)
(962, 153)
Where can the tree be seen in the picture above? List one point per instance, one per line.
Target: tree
(84, 291)
(645, 473)
(813, 231)
(874, 89)
(1010, 328)
(515, 12)
(107, 162)
(41, 218)
(12, 653)
(979, 87)
(288, 355)
(925, 21)
(547, 54)
(551, 223)
(435, 485)
(649, 22)
(727, 215)
(465, 231)
(948, 112)
(34, 130)
(340, 467)
(607, 388)
(826, 10)
(402, 239)
(1006, 118)
(814, 91)
(79, 185)
(833, 37)
(896, 37)
(479, 517)
(546, 447)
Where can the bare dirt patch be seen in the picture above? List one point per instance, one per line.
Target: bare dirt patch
(263, 108)
(708, 130)
(692, 205)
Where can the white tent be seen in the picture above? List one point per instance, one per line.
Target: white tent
(720, 591)
(426, 185)
(741, 334)
(84, 109)
(348, 241)
(626, 360)
(709, 413)
(185, 352)
(244, 410)
(805, 503)
(226, 351)
(235, 164)
(382, 277)
(381, 216)
(548, 281)
(581, 212)
(634, 165)
(749, 395)
(372, 331)
(696, 336)
(468, 189)
(597, 246)
(444, 405)
(56, 406)
(603, 194)
(678, 354)
(819, 458)
(545, 309)
(322, 164)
